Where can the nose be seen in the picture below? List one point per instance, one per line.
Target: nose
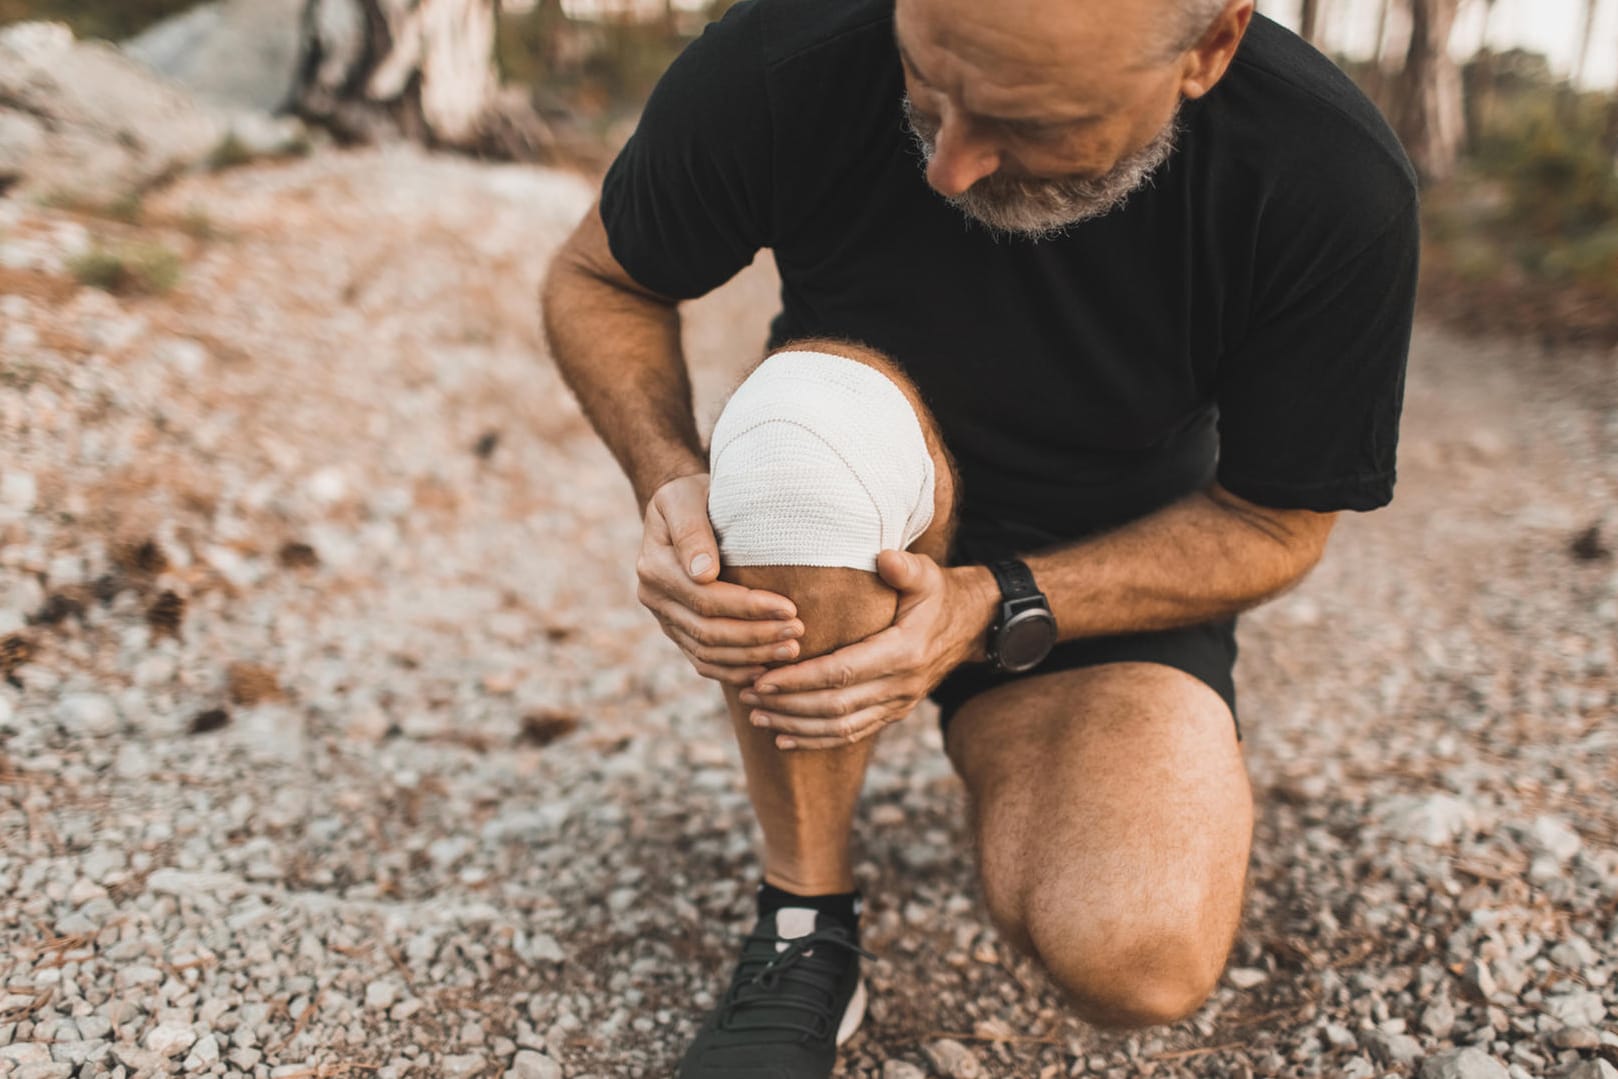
(961, 156)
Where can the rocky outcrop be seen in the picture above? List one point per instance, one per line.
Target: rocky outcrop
(234, 53)
(81, 120)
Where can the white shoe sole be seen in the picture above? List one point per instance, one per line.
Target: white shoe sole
(853, 1014)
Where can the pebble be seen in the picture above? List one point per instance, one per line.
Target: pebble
(1462, 1064)
(170, 1039)
(87, 715)
(952, 1059)
(894, 1068)
(463, 1065)
(528, 1064)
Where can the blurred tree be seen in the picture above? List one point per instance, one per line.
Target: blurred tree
(423, 68)
(1586, 35)
(1309, 21)
(1427, 108)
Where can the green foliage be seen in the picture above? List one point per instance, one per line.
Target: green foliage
(230, 152)
(1537, 201)
(127, 208)
(597, 70)
(129, 270)
(110, 19)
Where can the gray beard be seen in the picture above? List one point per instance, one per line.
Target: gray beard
(1041, 209)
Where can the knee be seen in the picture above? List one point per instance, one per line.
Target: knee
(1125, 968)
(818, 460)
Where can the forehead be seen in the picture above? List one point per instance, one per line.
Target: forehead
(1020, 55)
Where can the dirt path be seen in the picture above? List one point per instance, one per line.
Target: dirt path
(465, 803)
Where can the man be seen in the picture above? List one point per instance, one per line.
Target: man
(1098, 315)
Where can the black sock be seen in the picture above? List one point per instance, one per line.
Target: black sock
(844, 907)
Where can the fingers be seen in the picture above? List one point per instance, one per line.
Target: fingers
(776, 651)
(864, 661)
(810, 734)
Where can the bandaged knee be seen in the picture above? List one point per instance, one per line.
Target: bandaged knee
(817, 460)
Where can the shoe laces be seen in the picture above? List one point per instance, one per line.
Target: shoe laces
(793, 980)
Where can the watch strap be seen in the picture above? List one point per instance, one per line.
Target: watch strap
(1015, 579)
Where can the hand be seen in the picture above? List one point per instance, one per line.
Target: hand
(728, 632)
(850, 694)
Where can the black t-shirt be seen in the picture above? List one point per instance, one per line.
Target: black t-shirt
(1246, 317)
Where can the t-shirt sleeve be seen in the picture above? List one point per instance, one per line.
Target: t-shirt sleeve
(687, 202)
(1309, 401)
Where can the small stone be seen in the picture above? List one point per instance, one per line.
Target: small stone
(25, 1053)
(87, 714)
(1435, 820)
(901, 1069)
(1576, 1038)
(463, 1065)
(1551, 835)
(1580, 1008)
(170, 1039)
(1246, 977)
(18, 491)
(1463, 1064)
(952, 1059)
(1439, 1018)
(1590, 1069)
(531, 1065)
(380, 995)
(1392, 1050)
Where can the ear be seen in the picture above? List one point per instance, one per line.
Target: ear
(1209, 59)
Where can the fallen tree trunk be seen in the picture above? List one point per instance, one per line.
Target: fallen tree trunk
(369, 70)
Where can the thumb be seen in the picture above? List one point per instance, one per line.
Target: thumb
(686, 514)
(901, 570)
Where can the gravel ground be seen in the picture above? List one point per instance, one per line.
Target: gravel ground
(334, 742)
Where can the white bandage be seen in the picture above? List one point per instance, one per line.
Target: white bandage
(817, 460)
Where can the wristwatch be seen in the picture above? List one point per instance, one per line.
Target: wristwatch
(1025, 630)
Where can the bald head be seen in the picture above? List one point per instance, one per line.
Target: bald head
(1053, 104)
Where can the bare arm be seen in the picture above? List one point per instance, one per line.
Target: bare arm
(1209, 555)
(1206, 556)
(618, 348)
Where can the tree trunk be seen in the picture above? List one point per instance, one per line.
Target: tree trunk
(1480, 89)
(1309, 21)
(1584, 43)
(424, 69)
(1428, 113)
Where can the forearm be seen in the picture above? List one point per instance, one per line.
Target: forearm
(1208, 556)
(618, 350)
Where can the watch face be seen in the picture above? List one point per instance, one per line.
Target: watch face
(1025, 640)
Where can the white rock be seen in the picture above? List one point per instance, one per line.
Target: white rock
(463, 1065)
(1246, 977)
(1435, 820)
(901, 1069)
(18, 491)
(25, 1053)
(1551, 835)
(380, 995)
(1590, 1069)
(1580, 1008)
(170, 1039)
(1462, 1064)
(87, 714)
(953, 1060)
(531, 1065)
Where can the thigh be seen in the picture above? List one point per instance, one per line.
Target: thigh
(1110, 805)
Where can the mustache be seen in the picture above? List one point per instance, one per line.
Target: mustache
(1042, 208)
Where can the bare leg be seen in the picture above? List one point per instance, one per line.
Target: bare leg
(1113, 821)
(805, 799)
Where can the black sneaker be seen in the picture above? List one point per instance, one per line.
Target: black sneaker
(795, 997)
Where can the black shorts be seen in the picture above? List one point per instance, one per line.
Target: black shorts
(1206, 652)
